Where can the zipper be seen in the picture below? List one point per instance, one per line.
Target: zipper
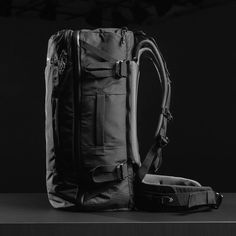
(77, 98)
(57, 67)
(55, 122)
(130, 204)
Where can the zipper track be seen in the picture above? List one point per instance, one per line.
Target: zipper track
(77, 99)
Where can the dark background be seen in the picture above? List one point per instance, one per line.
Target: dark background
(200, 51)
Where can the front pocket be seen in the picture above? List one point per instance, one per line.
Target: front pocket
(92, 120)
(103, 120)
(88, 120)
(115, 120)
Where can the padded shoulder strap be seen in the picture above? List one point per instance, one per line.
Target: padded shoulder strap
(154, 155)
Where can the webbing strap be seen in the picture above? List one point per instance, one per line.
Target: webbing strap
(155, 152)
(100, 111)
(100, 69)
(105, 65)
(100, 73)
(106, 173)
(107, 69)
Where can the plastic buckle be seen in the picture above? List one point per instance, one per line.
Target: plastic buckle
(120, 171)
(121, 69)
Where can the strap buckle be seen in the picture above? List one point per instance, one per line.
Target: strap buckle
(121, 69)
(120, 171)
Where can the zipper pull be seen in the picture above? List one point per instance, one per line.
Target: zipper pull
(123, 32)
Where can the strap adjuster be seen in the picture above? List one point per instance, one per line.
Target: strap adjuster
(121, 69)
(120, 171)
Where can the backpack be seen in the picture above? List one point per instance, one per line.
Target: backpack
(92, 152)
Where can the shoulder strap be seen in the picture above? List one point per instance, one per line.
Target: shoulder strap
(154, 155)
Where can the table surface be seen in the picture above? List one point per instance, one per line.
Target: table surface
(34, 208)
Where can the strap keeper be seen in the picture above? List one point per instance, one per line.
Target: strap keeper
(121, 69)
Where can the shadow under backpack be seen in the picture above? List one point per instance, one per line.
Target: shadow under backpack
(92, 154)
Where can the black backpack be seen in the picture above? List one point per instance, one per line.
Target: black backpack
(92, 153)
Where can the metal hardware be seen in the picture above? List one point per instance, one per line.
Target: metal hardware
(120, 171)
(121, 69)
